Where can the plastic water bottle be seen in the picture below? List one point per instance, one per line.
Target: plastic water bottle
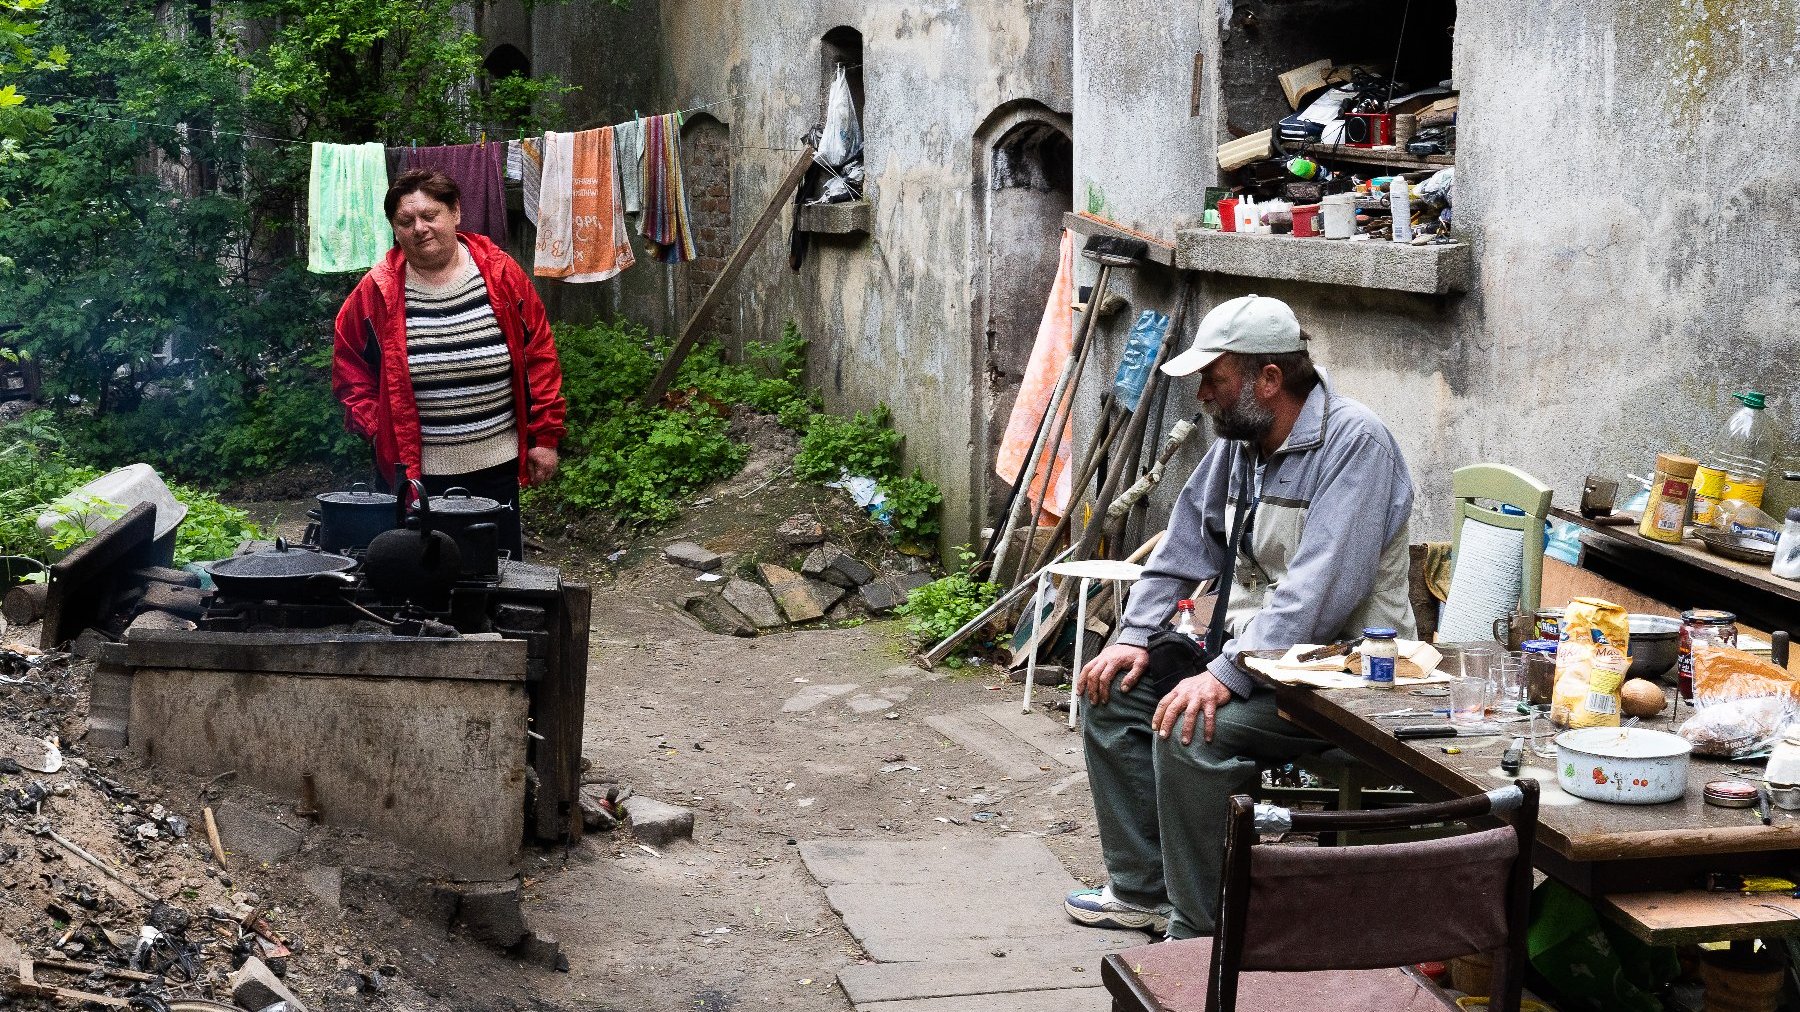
(1184, 620)
(1739, 465)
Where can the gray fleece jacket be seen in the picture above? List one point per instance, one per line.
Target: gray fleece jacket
(1326, 555)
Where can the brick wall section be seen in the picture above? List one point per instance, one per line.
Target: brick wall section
(706, 162)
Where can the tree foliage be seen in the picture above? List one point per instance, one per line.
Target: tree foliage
(156, 265)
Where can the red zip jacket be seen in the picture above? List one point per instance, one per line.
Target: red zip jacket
(369, 371)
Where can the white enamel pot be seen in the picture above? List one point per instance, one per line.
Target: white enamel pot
(1623, 765)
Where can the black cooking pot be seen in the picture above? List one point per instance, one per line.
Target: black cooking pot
(282, 573)
(348, 521)
(416, 562)
(474, 522)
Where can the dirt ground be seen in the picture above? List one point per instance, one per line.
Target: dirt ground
(731, 920)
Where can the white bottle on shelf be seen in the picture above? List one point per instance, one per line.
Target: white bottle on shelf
(1400, 202)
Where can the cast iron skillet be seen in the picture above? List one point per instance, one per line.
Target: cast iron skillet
(281, 573)
(413, 562)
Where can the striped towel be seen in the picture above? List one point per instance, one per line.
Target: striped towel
(665, 221)
(531, 173)
(346, 230)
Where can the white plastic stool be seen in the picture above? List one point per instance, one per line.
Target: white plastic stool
(1087, 571)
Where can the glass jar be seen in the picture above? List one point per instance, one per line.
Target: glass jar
(1666, 513)
(1380, 652)
(1540, 671)
(1700, 626)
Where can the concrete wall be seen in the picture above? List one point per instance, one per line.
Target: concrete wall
(1629, 216)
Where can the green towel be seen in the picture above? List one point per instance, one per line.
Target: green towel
(346, 229)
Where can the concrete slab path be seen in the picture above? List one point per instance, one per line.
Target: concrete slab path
(955, 925)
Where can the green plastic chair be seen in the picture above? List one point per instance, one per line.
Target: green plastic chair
(1479, 491)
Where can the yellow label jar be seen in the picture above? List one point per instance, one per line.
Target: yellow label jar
(1666, 512)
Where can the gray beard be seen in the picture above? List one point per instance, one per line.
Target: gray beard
(1246, 420)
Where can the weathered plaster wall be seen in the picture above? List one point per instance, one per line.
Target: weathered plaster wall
(1634, 264)
(888, 314)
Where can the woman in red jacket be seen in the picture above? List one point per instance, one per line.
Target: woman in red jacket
(444, 359)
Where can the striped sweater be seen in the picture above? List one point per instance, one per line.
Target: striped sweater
(461, 374)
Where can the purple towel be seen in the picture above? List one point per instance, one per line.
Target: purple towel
(477, 169)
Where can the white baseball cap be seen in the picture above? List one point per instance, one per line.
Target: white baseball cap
(1251, 324)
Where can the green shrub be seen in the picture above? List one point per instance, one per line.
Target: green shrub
(863, 445)
(35, 472)
(912, 506)
(943, 606)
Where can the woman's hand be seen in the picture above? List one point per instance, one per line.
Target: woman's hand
(540, 464)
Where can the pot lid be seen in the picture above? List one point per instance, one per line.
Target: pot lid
(462, 502)
(280, 561)
(358, 495)
(1625, 743)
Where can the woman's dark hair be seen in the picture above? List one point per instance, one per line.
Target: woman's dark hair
(430, 182)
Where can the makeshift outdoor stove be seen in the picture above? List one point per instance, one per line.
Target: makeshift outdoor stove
(428, 696)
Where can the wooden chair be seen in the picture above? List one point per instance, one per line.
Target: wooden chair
(1308, 928)
(1485, 541)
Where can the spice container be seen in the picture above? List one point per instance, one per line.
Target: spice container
(1700, 626)
(1540, 671)
(1380, 651)
(1666, 513)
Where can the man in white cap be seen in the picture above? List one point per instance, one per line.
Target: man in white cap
(1323, 555)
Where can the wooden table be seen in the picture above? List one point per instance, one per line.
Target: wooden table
(1640, 862)
(1688, 576)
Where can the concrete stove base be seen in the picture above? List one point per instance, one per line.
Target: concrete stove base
(420, 741)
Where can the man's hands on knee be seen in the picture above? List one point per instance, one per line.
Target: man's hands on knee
(1199, 696)
(1094, 680)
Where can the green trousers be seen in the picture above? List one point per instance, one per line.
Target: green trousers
(1161, 805)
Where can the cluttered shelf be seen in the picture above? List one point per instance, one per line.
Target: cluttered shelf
(1689, 555)
(1088, 225)
(1386, 157)
(1433, 269)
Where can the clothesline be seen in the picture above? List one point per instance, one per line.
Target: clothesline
(216, 132)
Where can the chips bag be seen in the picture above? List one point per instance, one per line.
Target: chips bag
(1595, 637)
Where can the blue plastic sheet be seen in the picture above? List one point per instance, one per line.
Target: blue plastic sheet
(1141, 346)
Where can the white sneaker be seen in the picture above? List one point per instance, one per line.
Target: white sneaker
(1099, 908)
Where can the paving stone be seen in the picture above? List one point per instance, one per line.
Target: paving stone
(255, 986)
(686, 553)
(754, 602)
(256, 836)
(658, 823)
(819, 560)
(868, 704)
(1086, 999)
(905, 982)
(881, 597)
(802, 598)
(848, 567)
(716, 614)
(890, 894)
(802, 529)
(810, 697)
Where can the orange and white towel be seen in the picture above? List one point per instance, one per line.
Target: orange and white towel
(1055, 343)
(581, 222)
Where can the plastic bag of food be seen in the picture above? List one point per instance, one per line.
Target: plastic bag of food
(1595, 637)
(843, 132)
(1742, 701)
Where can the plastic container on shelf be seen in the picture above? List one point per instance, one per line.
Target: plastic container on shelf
(1787, 550)
(1738, 466)
(97, 504)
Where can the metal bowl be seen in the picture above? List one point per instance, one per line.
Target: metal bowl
(1655, 645)
(1736, 546)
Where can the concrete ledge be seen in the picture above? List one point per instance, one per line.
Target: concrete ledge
(331, 654)
(849, 218)
(1432, 270)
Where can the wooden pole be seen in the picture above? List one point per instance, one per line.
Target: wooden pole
(727, 277)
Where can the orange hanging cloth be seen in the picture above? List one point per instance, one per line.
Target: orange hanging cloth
(598, 243)
(1055, 344)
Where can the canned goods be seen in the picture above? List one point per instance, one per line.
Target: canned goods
(1699, 626)
(1549, 624)
(1667, 511)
